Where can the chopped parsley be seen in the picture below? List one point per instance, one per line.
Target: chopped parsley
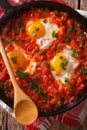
(67, 39)
(66, 80)
(74, 53)
(69, 89)
(54, 34)
(22, 74)
(45, 21)
(30, 84)
(20, 26)
(61, 57)
(44, 62)
(10, 40)
(34, 33)
(42, 93)
(58, 104)
(5, 86)
(69, 30)
(14, 59)
(74, 26)
(37, 29)
(37, 88)
(64, 63)
(84, 70)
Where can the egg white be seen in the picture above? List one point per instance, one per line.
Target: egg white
(31, 67)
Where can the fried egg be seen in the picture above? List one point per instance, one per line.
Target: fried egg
(43, 31)
(63, 65)
(32, 67)
(20, 60)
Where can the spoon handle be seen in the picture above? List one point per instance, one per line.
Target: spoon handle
(7, 63)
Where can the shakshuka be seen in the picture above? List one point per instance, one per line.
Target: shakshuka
(48, 54)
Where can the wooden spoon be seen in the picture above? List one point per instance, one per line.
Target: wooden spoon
(25, 110)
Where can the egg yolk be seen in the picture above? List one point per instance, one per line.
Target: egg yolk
(59, 63)
(17, 60)
(36, 30)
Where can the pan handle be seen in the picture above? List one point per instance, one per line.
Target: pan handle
(6, 7)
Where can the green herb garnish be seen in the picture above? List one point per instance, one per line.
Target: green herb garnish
(34, 33)
(45, 21)
(22, 74)
(37, 88)
(58, 104)
(74, 53)
(66, 80)
(5, 86)
(20, 26)
(69, 30)
(30, 84)
(37, 29)
(74, 26)
(69, 88)
(54, 34)
(10, 41)
(64, 63)
(61, 57)
(44, 62)
(67, 39)
(84, 70)
(14, 59)
(42, 93)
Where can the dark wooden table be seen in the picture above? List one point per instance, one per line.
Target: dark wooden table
(7, 122)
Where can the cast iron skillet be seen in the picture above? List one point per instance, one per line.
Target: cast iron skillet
(12, 11)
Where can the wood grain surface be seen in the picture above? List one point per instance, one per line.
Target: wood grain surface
(83, 5)
(7, 122)
(72, 3)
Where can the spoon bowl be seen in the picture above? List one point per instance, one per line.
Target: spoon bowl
(25, 110)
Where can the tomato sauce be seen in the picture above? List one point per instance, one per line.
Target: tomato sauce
(40, 85)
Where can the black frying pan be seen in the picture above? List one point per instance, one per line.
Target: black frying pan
(12, 11)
